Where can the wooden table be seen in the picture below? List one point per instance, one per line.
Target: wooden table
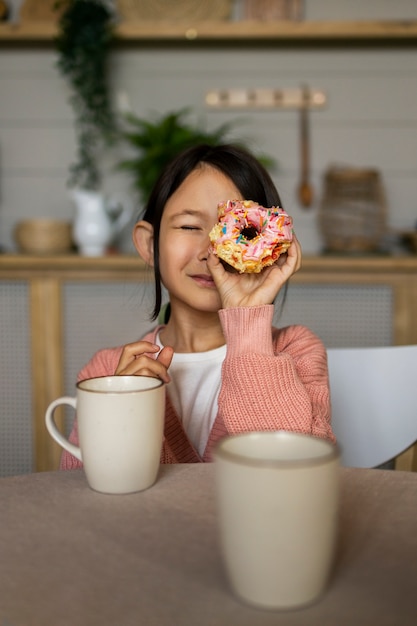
(73, 556)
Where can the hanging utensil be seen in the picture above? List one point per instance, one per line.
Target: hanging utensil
(305, 189)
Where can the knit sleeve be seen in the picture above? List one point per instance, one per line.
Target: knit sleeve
(273, 379)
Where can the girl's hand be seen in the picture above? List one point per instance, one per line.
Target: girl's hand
(135, 360)
(239, 290)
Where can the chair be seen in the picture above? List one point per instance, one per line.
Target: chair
(374, 404)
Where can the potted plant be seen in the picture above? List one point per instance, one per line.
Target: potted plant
(86, 31)
(156, 141)
(85, 35)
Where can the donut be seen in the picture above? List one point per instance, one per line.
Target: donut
(248, 236)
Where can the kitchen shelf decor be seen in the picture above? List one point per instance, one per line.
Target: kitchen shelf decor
(40, 11)
(83, 46)
(156, 140)
(273, 9)
(352, 215)
(178, 11)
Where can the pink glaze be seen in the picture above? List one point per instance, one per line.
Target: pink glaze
(268, 228)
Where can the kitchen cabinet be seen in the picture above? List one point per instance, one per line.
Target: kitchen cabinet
(47, 278)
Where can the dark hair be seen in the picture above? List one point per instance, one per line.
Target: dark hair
(243, 169)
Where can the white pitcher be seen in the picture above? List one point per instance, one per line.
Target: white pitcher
(93, 228)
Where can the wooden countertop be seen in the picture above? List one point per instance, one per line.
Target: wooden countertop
(22, 266)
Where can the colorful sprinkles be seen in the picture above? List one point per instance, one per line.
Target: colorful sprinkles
(273, 228)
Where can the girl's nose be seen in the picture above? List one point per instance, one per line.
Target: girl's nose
(204, 251)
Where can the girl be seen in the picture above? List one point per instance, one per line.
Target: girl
(227, 369)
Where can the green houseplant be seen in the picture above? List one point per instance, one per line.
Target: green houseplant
(83, 44)
(157, 140)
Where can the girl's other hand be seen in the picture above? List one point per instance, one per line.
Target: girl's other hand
(137, 360)
(239, 290)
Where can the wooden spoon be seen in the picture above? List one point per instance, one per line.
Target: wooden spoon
(305, 190)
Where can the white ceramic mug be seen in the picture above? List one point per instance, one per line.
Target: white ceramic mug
(277, 498)
(120, 427)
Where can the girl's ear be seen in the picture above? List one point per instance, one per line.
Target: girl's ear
(143, 240)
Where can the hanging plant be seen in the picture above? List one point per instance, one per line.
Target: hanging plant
(160, 139)
(86, 29)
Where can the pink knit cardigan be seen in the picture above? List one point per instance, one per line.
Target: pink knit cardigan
(272, 379)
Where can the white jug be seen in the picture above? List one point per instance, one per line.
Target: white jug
(93, 228)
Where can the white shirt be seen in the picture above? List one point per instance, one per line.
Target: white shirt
(194, 390)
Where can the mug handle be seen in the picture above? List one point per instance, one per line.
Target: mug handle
(52, 427)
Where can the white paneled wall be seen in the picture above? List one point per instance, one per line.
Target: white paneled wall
(370, 118)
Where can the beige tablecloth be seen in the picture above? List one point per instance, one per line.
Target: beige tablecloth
(69, 555)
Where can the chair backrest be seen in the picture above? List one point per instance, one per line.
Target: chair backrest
(374, 402)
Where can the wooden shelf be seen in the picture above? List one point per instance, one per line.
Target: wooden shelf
(224, 31)
(26, 266)
(271, 31)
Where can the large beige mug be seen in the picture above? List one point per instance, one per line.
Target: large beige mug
(277, 498)
(120, 428)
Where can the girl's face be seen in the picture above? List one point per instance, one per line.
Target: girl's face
(188, 217)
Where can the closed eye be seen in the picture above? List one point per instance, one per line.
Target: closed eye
(186, 227)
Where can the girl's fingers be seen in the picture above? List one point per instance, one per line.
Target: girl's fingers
(135, 360)
(216, 268)
(139, 347)
(255, 289)
(165, 356)
(291, 259)
(132, 351)
(145, 366)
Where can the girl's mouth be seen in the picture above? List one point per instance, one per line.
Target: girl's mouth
(203, 280)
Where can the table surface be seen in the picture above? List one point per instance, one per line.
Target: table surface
(69, 555)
